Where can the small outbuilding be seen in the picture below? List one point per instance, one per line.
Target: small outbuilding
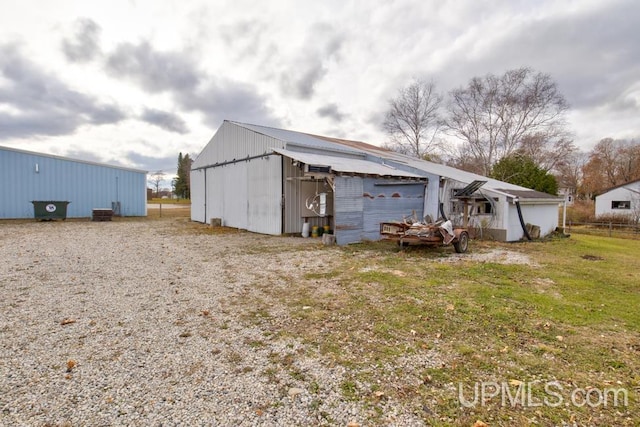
(622, 200)
(276, 181)
(28, 176)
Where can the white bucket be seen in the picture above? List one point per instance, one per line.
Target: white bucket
(305, 229)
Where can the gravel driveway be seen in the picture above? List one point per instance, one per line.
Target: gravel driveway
(132, 323)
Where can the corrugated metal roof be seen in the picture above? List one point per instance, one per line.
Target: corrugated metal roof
(341, 164)
(530, 194)
(403, 161)
(298, 138)
(53, 156)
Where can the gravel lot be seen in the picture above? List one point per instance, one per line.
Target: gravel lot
(132, 323)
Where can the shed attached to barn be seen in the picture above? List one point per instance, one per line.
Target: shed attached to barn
(273, 181)
(28, 176)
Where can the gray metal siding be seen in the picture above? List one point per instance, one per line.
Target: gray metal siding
(292, 188)
(348, 209)
(232, 142)
(389, 203)
(234, 195)
(86, 185)
(264, 195)
(244, 195)
(361, 204)
(198, 196)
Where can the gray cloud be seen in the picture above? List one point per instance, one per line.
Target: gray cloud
(35, 124)
(44, 105)
(165, 120)
(578, 52)
(228, 100)
(322, 45)
(331, 111)
(192, 90)
(154, 71)
(85, 45)
(167, 164)
(244, 38)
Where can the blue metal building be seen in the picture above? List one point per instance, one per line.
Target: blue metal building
(27, 176)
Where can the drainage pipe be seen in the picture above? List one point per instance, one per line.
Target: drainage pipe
(442, 212)
(524, 227)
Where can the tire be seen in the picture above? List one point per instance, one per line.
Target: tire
(462, 244)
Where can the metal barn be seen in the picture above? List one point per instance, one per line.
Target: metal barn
(274, 181)
(29, 176)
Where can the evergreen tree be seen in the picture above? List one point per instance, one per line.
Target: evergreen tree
(522, 170)
(181, 183)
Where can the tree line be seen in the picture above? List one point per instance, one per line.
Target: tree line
(610, 163)
(511, 127)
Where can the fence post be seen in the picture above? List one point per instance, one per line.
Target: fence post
(610, 228)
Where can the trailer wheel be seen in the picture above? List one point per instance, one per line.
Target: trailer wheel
(462, 244)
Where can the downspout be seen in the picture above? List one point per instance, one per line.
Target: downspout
(442, 212)
(524, 227)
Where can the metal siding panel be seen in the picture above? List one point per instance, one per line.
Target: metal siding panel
(348, 209)
(215, 191)
(233, 142)
(264, 195)
(292, 188)
(389, 203)
(85, 185)
(197, 195)
(234, 196)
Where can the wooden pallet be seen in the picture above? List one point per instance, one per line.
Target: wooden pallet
(102, 214)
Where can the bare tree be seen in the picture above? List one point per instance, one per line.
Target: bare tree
(611, 162)
(155, 180)
(522, 110)
(413, 120)
(569, 172)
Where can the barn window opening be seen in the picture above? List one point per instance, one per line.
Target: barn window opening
(621, 204)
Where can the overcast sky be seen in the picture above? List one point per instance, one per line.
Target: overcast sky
(135, 82)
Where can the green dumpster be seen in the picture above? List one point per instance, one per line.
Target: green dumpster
(50, 209)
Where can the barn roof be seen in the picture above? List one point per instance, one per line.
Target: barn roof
(376, 155)
(348, 165)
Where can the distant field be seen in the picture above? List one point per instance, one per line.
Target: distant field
(172, 210)
(170, 201)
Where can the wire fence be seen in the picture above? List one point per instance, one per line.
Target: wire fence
(608, 229)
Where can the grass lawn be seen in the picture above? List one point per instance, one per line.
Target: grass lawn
(157, 201)
(423, 330)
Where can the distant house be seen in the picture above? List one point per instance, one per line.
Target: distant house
(272, 181)
(27, 176)
(568, 194)
(622, 200)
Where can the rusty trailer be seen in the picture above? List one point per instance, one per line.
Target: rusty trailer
(434, 234)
